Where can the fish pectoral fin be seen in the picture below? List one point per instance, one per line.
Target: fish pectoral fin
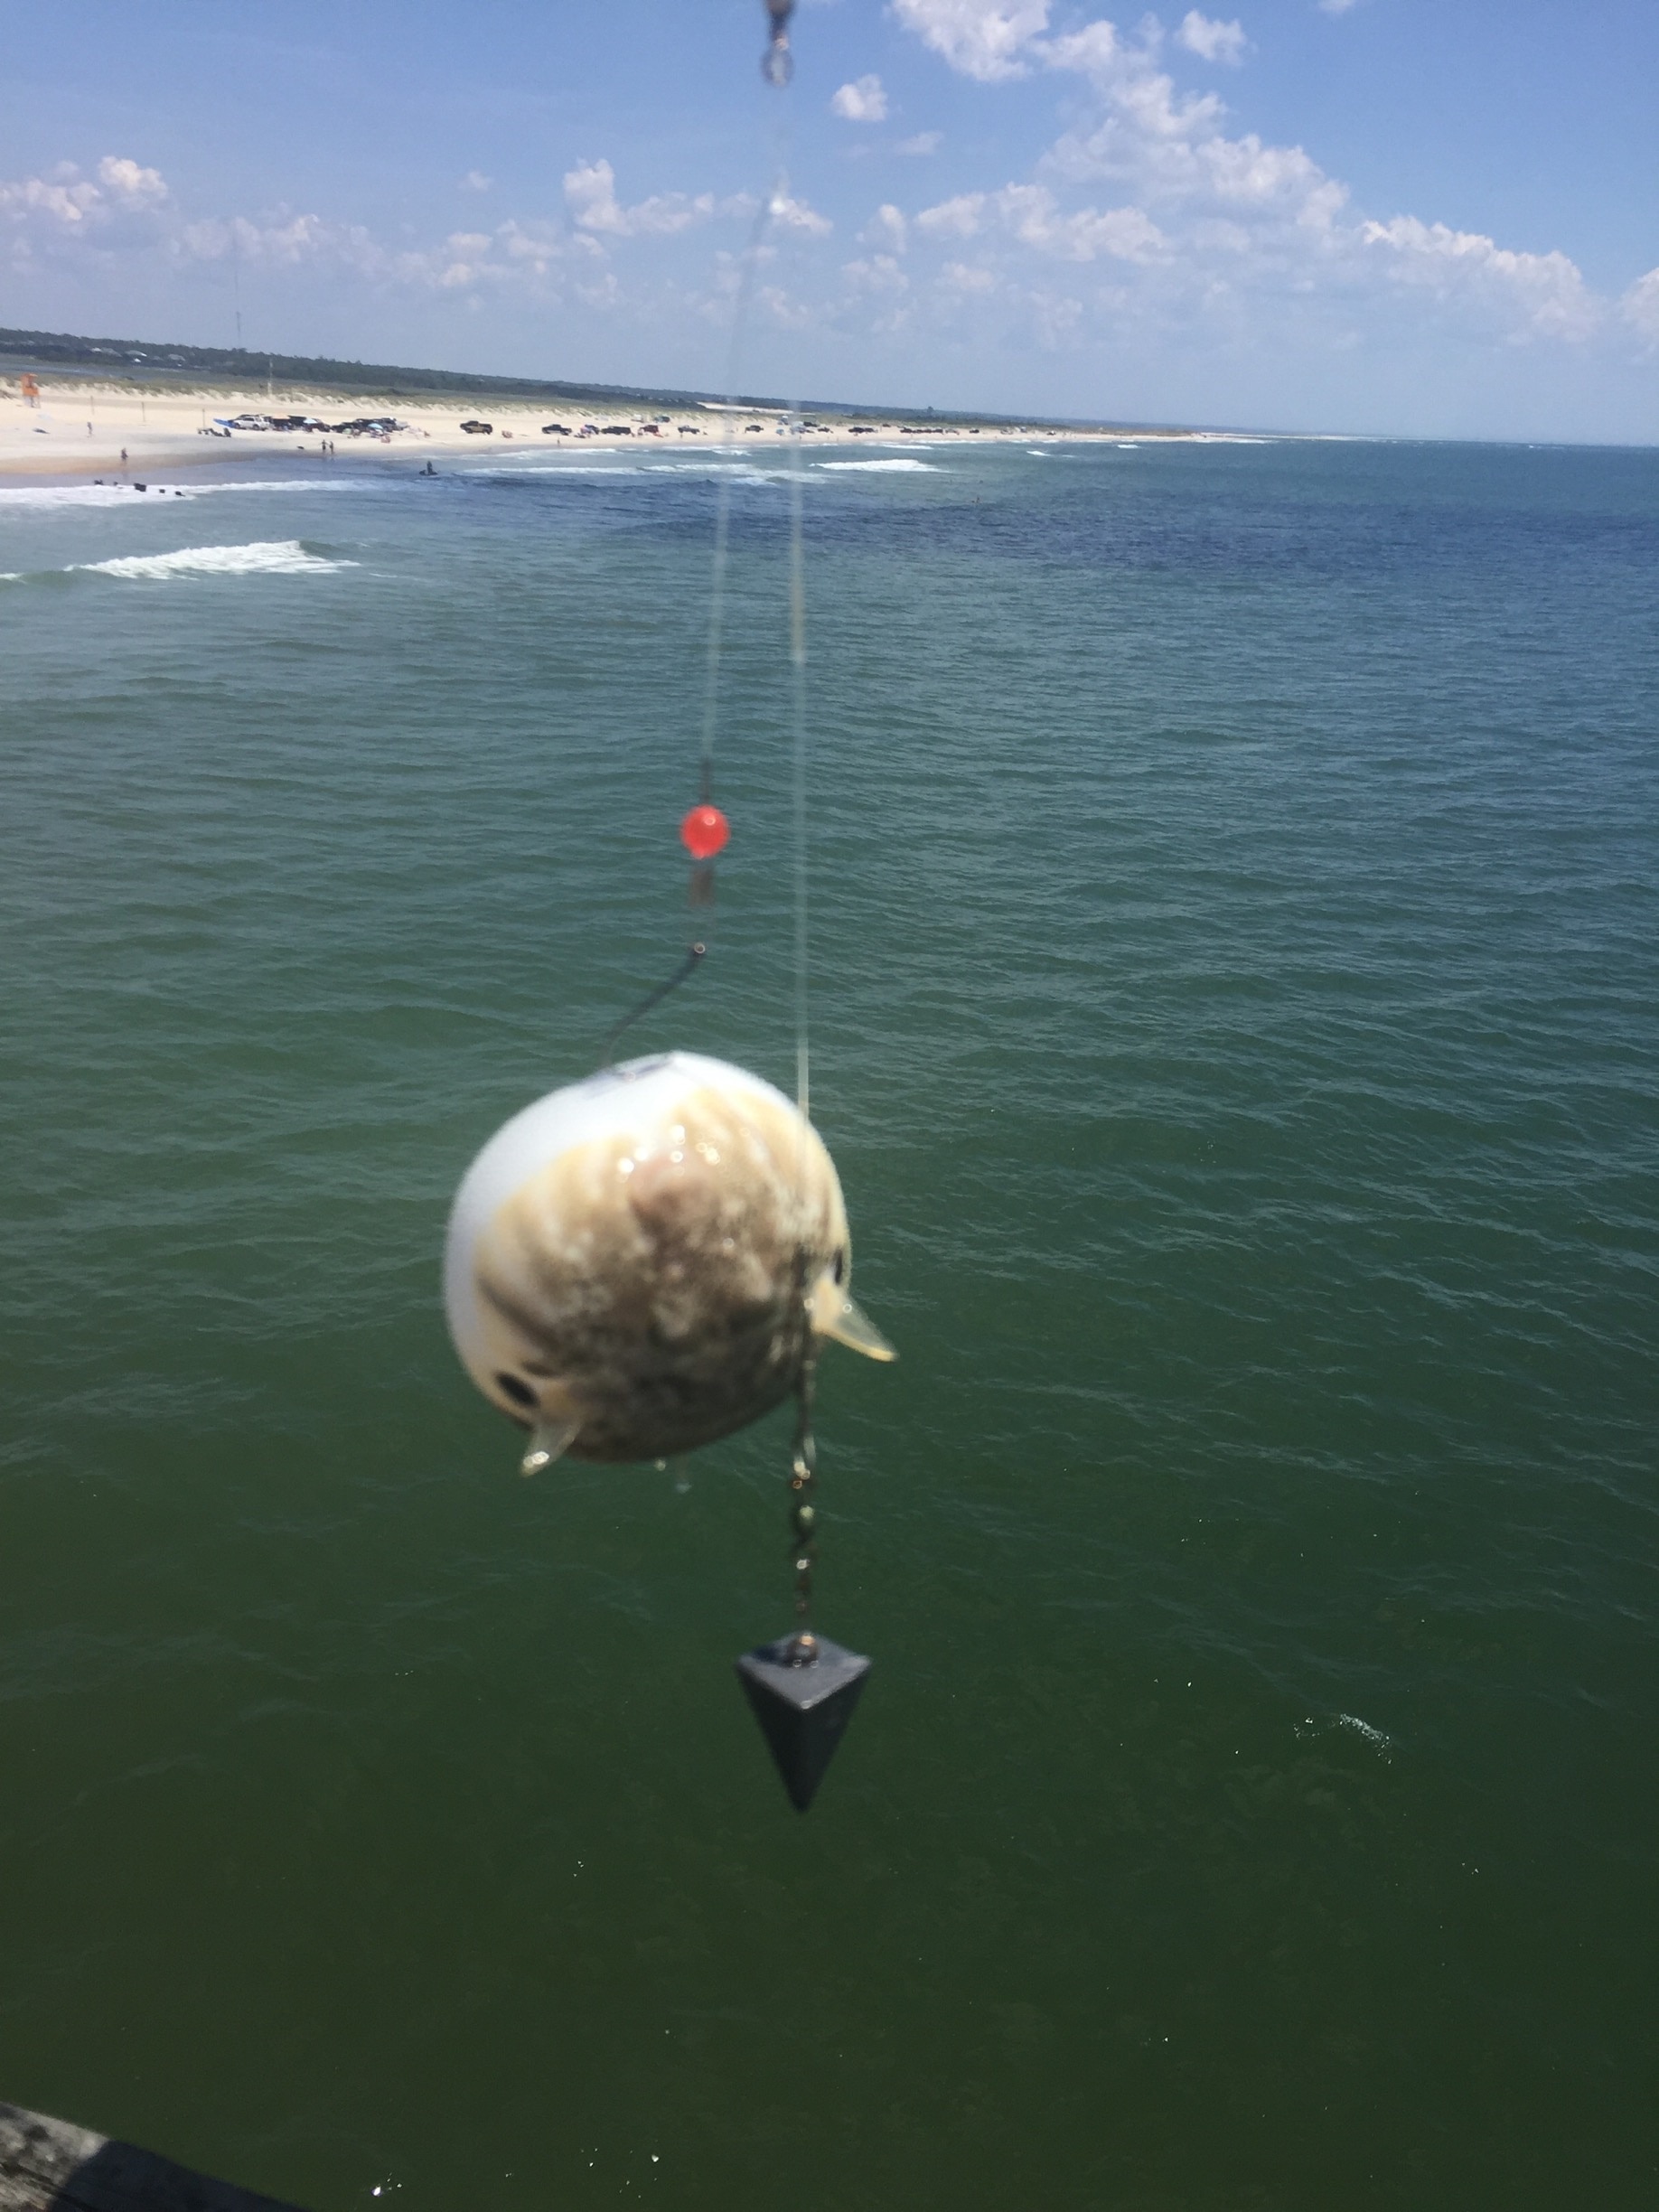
(550, 1439)
(834, 1314)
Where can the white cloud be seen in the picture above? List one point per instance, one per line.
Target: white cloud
(796, 215)
(1542, 294)
(881, 273)
(1640, 306)
(886, 227)
(983, 38)
(130, 184)
(1096, 48)
(1031, 214)
(123, 209)
(964, 277)
(590, 194)
(923, 143)
(863, 101)
(58, 203)
(958, 217)
(475, 181)
(44, 220)
(74, 203)
(1337, 7)
(1224, 229)
(786, 311)
(282, 240)
(1210, 40)
(1034, 217)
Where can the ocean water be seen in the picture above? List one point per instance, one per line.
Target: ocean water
(1236, 965)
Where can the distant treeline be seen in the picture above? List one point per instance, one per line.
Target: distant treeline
(143, 361)
(142, 358)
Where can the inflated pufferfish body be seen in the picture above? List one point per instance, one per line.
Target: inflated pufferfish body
(639, 1264)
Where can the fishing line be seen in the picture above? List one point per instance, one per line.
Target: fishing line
(635, 1265)
(704, 830)
(748, 265)
(797, 657)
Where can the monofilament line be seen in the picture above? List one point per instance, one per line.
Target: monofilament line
(717, 610)
(797, 659)
(776, 198)
(749, 264)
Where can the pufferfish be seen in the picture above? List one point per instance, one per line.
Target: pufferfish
(642, 1262)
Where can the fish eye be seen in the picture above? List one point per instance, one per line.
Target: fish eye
(520, 1392)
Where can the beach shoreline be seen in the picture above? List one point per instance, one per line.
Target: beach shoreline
(83, 428)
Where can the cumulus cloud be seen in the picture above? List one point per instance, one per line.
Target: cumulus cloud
(985, 39)
(475, 181)
(1546, 291)
(282, 240)
(67, 213)
(73, 202)
(965, 279)
(1031, 215)
(1211, 217)
(1211, 41)
(590, 194)
(881, 273)
(865, 100)
(130, 184)
(923, 143)
(790, 214)
(125, 209)
(886, 227)
(1640, 306)
(54, 200)
(957, 218)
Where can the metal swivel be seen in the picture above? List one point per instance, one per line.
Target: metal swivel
(777, 64)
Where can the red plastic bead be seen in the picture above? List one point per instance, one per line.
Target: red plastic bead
(704, 832)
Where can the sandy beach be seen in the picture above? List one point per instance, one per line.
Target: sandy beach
(97, 430)
(87, 429)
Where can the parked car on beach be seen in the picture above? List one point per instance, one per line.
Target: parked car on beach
(479, 429)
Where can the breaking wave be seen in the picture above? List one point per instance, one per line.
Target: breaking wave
(273, 557)
(38, 496)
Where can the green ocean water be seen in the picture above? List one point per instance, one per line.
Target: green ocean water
(1236, 957)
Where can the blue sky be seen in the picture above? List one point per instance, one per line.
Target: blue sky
(1365, 215)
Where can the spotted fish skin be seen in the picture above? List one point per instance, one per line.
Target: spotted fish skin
(637, 1264)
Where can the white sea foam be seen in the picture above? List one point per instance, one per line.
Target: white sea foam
(1363, 1728)
(709, 467)
(1315, 1725)
(928, 467)
(39, 496)
(273, 557)
(1199, 437)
